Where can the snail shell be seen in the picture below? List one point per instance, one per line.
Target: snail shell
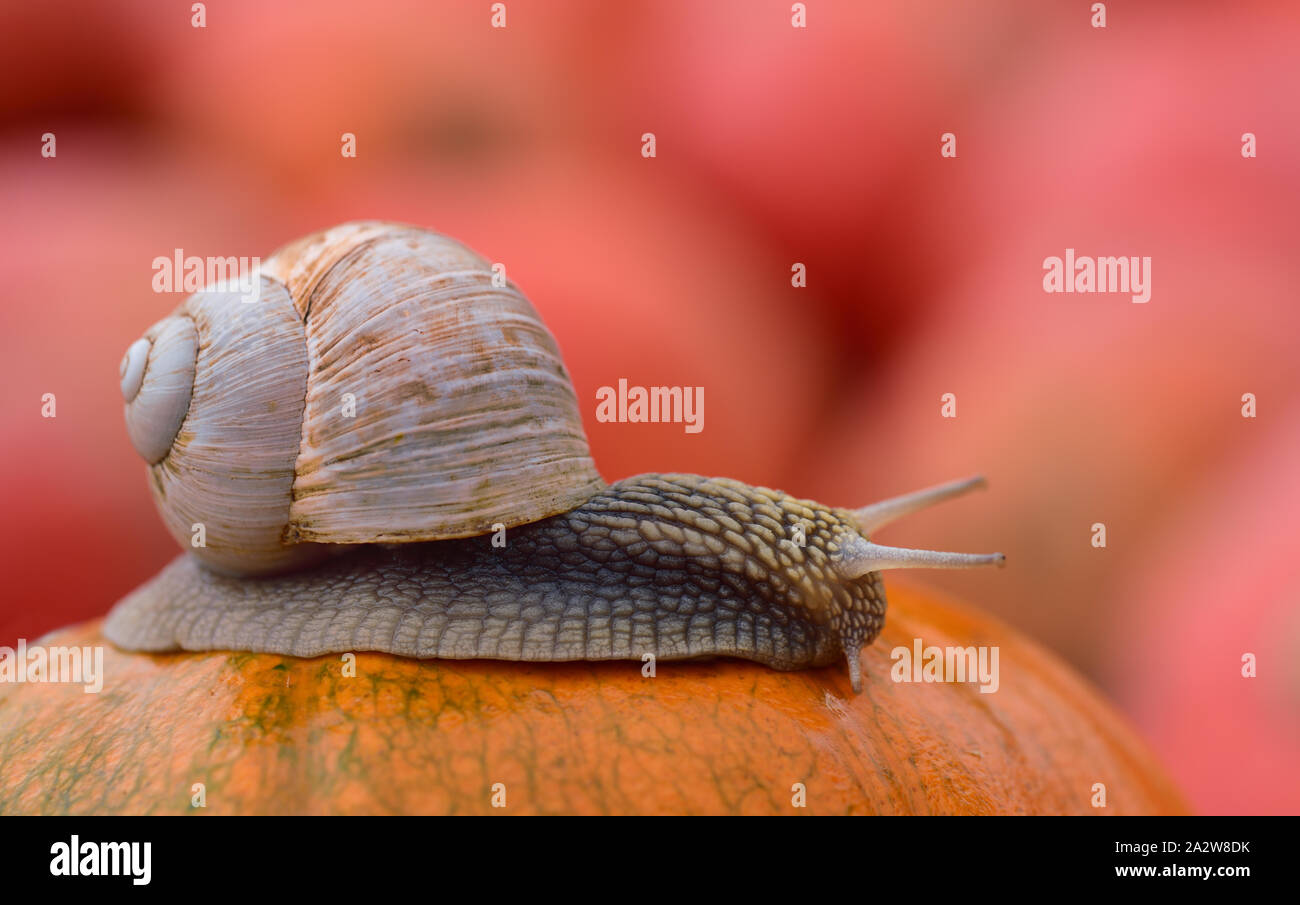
(465, 416)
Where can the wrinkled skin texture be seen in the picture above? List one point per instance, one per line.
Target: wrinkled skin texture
(269, 734)
(677, 566)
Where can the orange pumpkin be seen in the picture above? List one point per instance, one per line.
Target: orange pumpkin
(273, 734)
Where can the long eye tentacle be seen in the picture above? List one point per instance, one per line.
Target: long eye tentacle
(877, 515)
(858, 556)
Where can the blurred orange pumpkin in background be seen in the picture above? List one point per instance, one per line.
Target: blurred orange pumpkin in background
(776, 145)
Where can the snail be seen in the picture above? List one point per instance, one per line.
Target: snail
(384, 452)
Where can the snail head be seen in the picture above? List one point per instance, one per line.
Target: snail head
(857, 559)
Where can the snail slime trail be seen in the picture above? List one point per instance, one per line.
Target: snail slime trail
(330, 535)
(656, 404)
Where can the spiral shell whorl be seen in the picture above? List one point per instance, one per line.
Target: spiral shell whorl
(230, 468)
(465, 414)
(157, 381)
(385, 388)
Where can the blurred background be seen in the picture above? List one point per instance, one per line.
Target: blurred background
(775, 145)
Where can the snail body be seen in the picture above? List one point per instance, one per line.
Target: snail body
(462, 516)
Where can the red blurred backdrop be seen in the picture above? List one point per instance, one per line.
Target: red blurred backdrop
(775, 145)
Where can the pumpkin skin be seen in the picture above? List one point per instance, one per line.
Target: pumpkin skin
(268, 734)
